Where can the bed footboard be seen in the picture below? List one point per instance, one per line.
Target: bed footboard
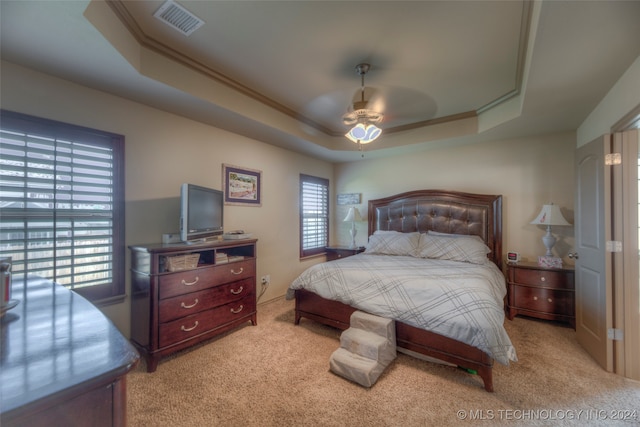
(337, 314)
(314, 307)
(446, 349)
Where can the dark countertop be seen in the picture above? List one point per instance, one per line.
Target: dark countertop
(54, 345)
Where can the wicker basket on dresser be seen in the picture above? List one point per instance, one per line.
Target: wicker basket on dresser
(173, 308)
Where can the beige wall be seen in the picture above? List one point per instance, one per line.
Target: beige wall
(162, 151)
(527, 172)
(623, 97)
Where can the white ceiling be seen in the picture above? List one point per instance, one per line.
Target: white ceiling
(442, 72)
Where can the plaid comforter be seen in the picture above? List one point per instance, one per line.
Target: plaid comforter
(459, 300)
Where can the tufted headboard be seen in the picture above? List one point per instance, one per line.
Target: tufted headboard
(443, 211)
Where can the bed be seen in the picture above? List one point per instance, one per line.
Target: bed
(425, 328)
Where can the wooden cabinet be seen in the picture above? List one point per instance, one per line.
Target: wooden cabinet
(62, 361)
(337, 252)
(544, 293)
(172, 309)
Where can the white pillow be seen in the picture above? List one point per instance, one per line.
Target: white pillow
(471, 236)
(393, 243)
(460, 248)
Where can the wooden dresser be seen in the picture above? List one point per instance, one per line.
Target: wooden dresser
(544, 293)
(172, 309)
(62, 361)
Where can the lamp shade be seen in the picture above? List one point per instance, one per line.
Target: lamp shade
(363, 134)
(550, 215)
(353, 215)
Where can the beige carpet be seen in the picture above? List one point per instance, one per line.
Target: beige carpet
(277, 374)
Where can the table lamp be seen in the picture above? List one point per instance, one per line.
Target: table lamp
(550, 215)
(352, 216)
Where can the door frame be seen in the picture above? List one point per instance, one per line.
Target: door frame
(627, 263)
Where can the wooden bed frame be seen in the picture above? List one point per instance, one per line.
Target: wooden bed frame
(423, 210)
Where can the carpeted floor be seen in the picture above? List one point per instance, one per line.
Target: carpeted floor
(277, 374)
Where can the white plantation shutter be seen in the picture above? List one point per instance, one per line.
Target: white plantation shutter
(61, 204)
(314, 215)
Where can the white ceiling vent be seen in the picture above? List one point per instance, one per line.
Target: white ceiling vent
(178, 17)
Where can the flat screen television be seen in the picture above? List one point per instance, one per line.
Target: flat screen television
(201, 213)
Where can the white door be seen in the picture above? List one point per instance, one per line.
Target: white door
(593, 263)
(626, 286)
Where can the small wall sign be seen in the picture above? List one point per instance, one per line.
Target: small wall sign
(349, 199)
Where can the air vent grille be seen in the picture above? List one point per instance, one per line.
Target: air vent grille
(178, 18)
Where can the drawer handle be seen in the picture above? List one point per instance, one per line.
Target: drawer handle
(549, 299)
(535, 298)
(190, 283)
(189, 306)
(189, 329)
(238, 310)
(237, 272)
(239, 291)
(543, 279)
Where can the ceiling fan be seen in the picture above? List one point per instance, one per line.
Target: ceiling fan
(362, 118)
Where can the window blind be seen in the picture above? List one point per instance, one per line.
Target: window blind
(314, 215)
(60, 201)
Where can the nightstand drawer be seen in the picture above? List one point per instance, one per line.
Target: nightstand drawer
(334, 252)
(544, 293)
(544, 300)
(544, 278)
(339, 253)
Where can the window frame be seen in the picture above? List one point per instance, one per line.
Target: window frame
(100, 294)
(318, 250)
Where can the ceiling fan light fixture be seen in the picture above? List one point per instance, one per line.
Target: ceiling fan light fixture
(363, 133)
(362, 115)
(364, 119)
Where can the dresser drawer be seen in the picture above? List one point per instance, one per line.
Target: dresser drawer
(235, 270)
(544, 300)
(196, 324)
(545, 278)
(195, 302)
(183, 282)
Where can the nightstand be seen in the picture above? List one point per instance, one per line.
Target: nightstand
(337, 252)
(544, 293)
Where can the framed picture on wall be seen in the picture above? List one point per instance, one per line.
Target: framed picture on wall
(242, 186)
(349, 198)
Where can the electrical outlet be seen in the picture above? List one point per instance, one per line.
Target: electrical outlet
(266, 280)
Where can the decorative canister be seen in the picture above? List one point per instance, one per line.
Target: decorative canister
(5, 281)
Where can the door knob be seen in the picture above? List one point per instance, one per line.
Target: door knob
(573, 255)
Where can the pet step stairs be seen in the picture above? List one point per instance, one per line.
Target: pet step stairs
(366, 349)
(356, 368)
(366, 344)
(376, 324)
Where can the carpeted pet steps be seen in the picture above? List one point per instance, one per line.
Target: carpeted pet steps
(366, 349)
